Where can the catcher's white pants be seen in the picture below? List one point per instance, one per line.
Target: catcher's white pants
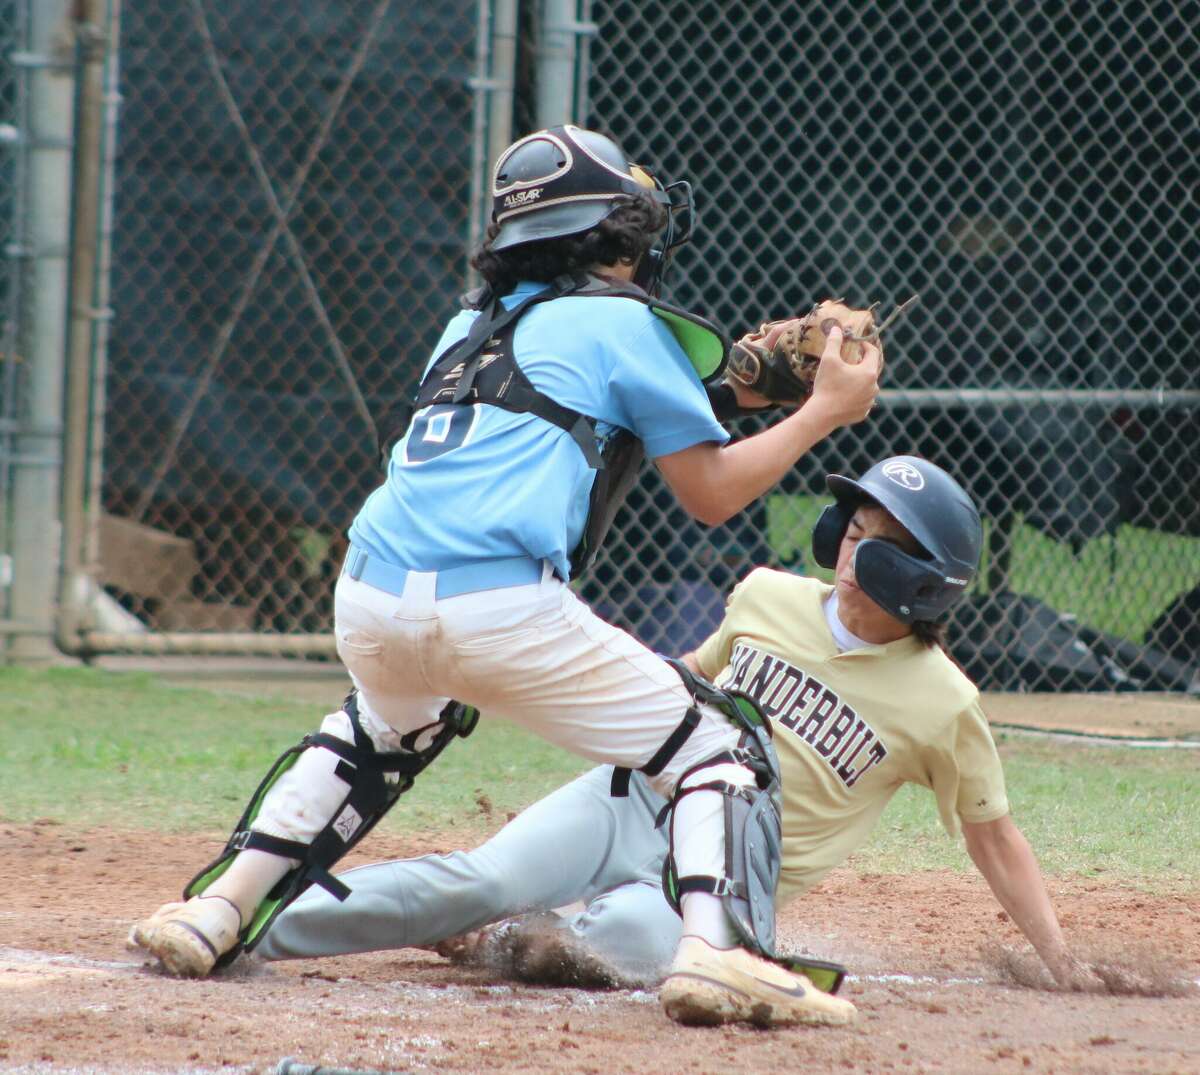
(533, 654)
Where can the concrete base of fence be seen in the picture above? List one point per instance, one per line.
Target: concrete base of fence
(235, 644)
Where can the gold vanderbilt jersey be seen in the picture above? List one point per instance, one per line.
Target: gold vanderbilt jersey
(851, 727)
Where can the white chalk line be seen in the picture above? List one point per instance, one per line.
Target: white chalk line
(1089, 739)
(25, 956)
(914, 979)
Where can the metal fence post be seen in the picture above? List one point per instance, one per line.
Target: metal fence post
(36, 532)
(97, 34)
(558, 74)
(493, 85)
(12, 342)
(504, 74)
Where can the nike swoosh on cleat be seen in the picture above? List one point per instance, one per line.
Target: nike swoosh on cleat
(797, 991)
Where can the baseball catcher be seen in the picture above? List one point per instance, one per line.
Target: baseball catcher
(537, 406)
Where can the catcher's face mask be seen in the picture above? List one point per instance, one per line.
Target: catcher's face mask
(681, 215)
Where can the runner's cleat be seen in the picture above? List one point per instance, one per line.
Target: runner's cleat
(708, 986)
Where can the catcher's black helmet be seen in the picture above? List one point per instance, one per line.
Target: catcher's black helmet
(932, 507)
(565, 180)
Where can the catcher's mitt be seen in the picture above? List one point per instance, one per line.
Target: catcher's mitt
(780, 360)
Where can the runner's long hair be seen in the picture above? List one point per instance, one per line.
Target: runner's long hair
(929, 633)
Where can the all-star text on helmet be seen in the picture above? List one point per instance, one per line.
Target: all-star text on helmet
(565, 180)
(932, 507)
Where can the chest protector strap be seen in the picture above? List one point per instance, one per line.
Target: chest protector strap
(482, 368)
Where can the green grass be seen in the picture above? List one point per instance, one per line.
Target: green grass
(1117, 584)
(91, 747)
(87, 747)
(1091, 810)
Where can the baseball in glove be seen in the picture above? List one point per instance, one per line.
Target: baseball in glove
(779, 362)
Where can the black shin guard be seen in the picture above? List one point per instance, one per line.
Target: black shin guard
(371, 794)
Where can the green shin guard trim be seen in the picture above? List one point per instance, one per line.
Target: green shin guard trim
(752, 822)
(200, 883)
(217, 868)
(370, 795)
(825, 975)
(263, 917)
(753, 856)
(749, 711)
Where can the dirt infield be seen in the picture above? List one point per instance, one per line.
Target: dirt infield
(1117, 716)
(936, 988)
(933, 991)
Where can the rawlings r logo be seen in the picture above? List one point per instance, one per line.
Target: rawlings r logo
(904, 474)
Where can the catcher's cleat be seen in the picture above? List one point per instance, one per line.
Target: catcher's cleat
(189, 938)
(708, 986)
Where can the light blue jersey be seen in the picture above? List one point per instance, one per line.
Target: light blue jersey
(471, 483)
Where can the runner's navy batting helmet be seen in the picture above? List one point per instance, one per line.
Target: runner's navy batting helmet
(932, 507)
(565, 180)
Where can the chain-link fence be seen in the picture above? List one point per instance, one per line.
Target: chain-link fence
(293, 189)
(11, 38)
(297, 186)
(1030, 171)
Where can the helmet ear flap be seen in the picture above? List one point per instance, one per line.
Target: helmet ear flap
(649, 271)
(904, 587)
(828, 533)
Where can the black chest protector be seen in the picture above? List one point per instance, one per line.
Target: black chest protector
(482, 368)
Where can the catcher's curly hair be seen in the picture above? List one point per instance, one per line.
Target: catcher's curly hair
(622, 237)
